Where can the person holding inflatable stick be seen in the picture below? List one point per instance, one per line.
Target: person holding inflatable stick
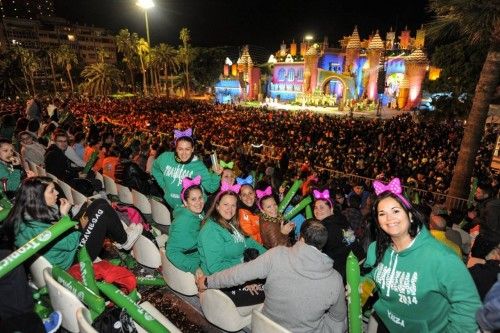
(422, 285)
(37, 207)
(274, 230)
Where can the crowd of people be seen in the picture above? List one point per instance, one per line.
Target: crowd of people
(229, 229)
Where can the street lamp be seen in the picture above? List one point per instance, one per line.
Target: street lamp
(146, 4)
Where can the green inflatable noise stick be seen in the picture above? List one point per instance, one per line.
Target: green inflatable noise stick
(87, 270)
(141, 316)
(354, 299)
(5, 206)
(35, 245)
(91, 161)
(295, 210)
(309, 212)
(94, 302)
(288, 197)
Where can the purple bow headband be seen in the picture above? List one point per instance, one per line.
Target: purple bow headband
(188, 182)
(325, 195)
(261, 194)
(394, 187)
(225, 187)
(180, 134)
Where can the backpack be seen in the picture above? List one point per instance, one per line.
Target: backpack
(130, 214)
(114, 320)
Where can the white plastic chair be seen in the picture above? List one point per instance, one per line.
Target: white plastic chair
(78, 198)
(32, 166)
(124, 194)
(262, 324)
(84, 321)
(160, 213)
(40, 171)
(54, 178)
(146, 253)
(158, 316)
(110, 185)
(220, 310)
(99, 177)
(179, 281)
(36, 270)
(67, 191)
(141, 202)
(64, 301)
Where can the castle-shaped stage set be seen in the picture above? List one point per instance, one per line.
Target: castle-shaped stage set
(358, 74)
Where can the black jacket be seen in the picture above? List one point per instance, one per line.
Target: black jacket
(341, 241)
(59, 165)
(489, 219)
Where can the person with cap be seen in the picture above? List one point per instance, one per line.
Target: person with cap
(170, 168)
(487, 215)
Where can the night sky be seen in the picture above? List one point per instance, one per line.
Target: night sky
(260, 22)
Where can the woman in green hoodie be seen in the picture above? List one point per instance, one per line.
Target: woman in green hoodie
(422, 285)
(182, 245)
(170, 168)
(222, 245)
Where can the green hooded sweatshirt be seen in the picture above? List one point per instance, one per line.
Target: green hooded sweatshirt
(12, 175)
(60, 253)
(169, 175)
(424, 288)
(220, 249)
(182, 245)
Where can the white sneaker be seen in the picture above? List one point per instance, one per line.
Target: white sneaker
(133, 232)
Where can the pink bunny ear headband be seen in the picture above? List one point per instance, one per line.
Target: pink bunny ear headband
(261, 194)
(188, 182)
(394, 187)
(325, 195)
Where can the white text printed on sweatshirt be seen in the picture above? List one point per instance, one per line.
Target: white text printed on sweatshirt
(400, 282)
(177, 173)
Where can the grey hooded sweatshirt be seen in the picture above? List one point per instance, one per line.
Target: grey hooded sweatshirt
(303, 292)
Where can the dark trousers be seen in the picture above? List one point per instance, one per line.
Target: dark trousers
(103, 222)
(16, 302)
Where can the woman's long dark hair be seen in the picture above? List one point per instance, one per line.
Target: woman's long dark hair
(383, 241)
(214, 214)
(30, 205)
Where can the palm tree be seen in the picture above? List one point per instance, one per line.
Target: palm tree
(10, 81)
(142, 49)
(100, 78)
(66, 57)
(126, 43)
(475, 21)
(165, 56)
(185, 37)
(33, 64)
(23, 54)
(52, 53)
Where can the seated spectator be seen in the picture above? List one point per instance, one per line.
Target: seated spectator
(437, 226)
(37, 207)
(303, 291)
(57, 163)
(129, 174)
(488, 316)
(110, 162)
(79, 144)
(274, 230)
(485, 274)
(31, 150)
(222, 245)
(248, 216)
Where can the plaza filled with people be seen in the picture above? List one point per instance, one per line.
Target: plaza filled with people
(233, 179)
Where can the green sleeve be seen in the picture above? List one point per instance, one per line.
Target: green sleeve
(458, 287)
(209, 180)
(176, 246)
(14, 180)
(67, 243)
(211, 246)
(250, 242)
(157, 172)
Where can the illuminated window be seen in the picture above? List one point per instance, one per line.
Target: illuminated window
(300, 74)
(281, 74)
(291, 75)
